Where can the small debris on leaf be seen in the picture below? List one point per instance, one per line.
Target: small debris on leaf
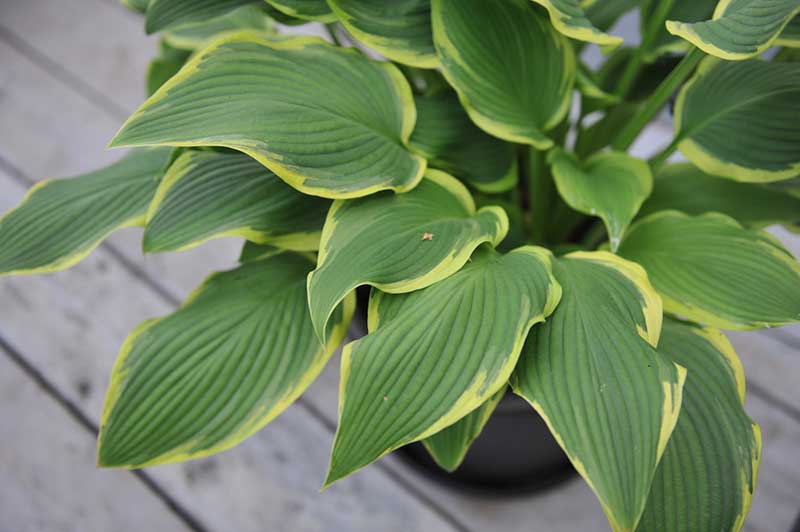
(427, 236)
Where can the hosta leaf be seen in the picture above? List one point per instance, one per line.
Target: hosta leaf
(688, 189)
(400, 30)
(790, 36)
(449, 446)
(437, 354)
(446, 136)
(305, 9)
(609, 185)
(569, 18)
(740, 29)
(707, 476)
(166, 14)
(166, 65)
(711, 270)
(399, 242)
(201, 380)
(736, 119)
(194, 36)
(61, 221)
(684, 11)
(207, 195)
(610, 399)
(326, 120)
(512, 70)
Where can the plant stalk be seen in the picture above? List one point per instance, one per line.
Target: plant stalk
(657, 100)
(331, 29)
(659, 159)
(651, 32)
(539, 193)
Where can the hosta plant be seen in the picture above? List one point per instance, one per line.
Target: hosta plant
(462, 159)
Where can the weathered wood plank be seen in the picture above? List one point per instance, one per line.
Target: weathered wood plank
(98, 43)
(49, 480)
(70, 326)
(769, 363)
(776, 502)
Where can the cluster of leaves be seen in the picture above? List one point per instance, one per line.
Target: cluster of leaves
(443, 177)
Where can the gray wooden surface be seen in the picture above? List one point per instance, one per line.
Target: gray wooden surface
(70, 72)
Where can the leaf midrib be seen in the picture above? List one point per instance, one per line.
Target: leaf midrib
(703, 123)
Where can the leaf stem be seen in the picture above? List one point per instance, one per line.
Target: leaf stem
(539, 193)
(658, 160)
(653, 26)
(657, 100)
(331, 29)
(594, 235)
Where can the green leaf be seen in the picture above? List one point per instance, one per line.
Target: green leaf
(710, 270)
(731, 119)
(197, 35)
(610, 399)
(435, 355)
(512, 70)
(707, 476)
(399, 242)
(569, 18)
(685, 11)
(59, 222)
(167, 14)
(201, 380)
(446, 136)
(610, 185)
(166, 65)
(449, 446)
(688, 189)
(326, 120)
(305, 9)
(207, 195)
(790, 36)
(400, 30)
(740, 29)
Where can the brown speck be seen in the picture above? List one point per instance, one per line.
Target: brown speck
(385, 397)
(427, 236)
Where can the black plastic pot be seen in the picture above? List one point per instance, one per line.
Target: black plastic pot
(515, 452)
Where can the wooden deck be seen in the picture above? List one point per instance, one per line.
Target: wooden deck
(70, 72)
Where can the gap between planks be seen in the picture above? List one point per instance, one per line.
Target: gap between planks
(78, 415)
